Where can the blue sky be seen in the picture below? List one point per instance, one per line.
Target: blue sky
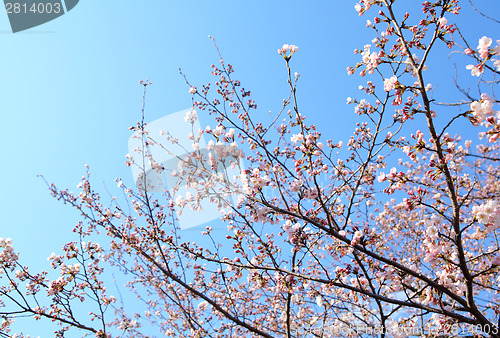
(70, 88)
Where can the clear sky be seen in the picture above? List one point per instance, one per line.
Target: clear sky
(70, 88)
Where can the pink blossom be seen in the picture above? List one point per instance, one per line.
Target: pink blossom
(442, 22)
(496, 261)
(432, 232)
(362, 106)
(296, 138)
(356, 238)
(296, 185)
(391, 83)
(288, 48)
(371, 60)
(311, 193)
(483, 46)
(190, 116)
(218, 131)
(496, 64)
(488, 214)
(358, 9)
(475, 70)
(230, 133)
(483, 108)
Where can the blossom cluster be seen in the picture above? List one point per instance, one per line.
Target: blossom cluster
(391, 83)
(313, 239)
(286, 48)
(483, 108)
(363, 6)
(431, 244)
(253, 181)
(223, 150)
(488, 213)
(371, 60)
(484, 114)
(8, 257)
(486, 53)
(191, 116)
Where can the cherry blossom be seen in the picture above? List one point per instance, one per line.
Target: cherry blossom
(390, 83)
(391, 232)
(475, 70)
(484, 46)
(442, 22)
